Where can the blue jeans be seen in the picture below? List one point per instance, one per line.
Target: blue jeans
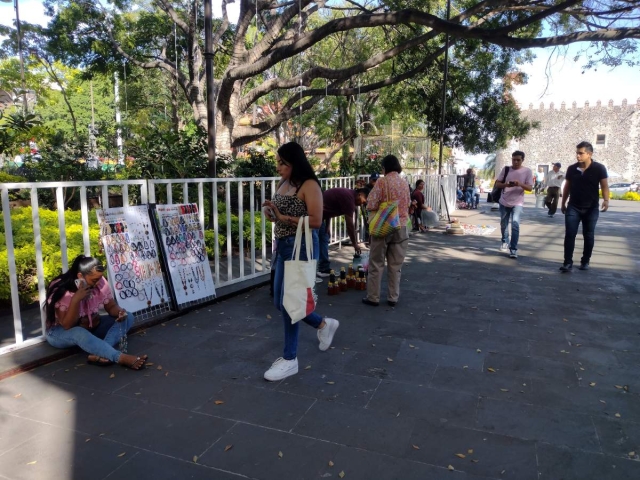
(323, 236)
(512, 213)
(100, 342)
(468, 196)
(285, 247)
(572, 219)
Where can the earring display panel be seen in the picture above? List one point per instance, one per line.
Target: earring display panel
(183, 244)
(133, 258)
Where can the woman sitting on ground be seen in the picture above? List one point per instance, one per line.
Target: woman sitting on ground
(420, 209)
(73, 301)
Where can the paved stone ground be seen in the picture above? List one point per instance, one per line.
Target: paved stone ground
(492, 367)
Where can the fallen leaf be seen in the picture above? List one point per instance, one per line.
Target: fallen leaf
(618, 386)
(450, 467)
(470, 451)
(159, 367)
(502, 472)
(415, 447)
(504, 389)
(280, 454)
(71, 400)
(632, 454)
(461, 455)
(592, 384)
(166, 374)
(308, 367)
(331, 383)
(465, 366)
(113, 375)
(492, 370)
(122, 454)
(32, 463)
(87, 440)
(341, 474)
(17, 396)
(218, 402)
(565, 320)
(268, 317)
(331, 464)
(478, 350)
(138, 393)
(412, 346)
(474, 460)
(195, 459)
(617, 415)
(228, 447)
(150, 364)
(101, 435)
(389, 359)
(602, 401)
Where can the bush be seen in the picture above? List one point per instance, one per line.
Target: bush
(25, 254)
(633, 196)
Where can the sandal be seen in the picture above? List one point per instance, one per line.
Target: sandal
(98, 361)
(137, 363)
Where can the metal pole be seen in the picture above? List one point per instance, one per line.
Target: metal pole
(444, 92)
(118, 126)
(18, 29)
(211, 98)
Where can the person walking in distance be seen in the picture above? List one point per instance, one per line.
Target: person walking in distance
(584, 179)
(517, 180)
(552, 183)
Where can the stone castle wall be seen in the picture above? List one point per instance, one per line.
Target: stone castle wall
(562, 127)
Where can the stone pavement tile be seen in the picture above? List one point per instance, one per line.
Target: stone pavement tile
(16, 430)
(330, 386)
(357, 427)
(257, 406)
(172, 389)
(170, 431)
(185, 360)
(423, 402)
(490, 343)
(445, 355)
(82, 410)
(450, 321)
(585, 399)
(362, 465)
(238, 346)
(618, 436)
(537, 423)
(412, 332)
(255, 453)
(439, 444)
(611, 341)
(528, 331)
(175, 334)
(570, 464)
(629, 359)
(378, 345)
(147, 465)
(534, 367)
(484, 384)
(25, 390)
(96, 378)
(400, 370)
(567, 353)
(608, 376)
(59, 453)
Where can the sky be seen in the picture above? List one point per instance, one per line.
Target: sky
(562, 80)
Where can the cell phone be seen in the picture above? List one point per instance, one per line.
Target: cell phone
(80, 282)
(512, 183)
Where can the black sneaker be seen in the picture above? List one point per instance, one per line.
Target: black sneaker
(584, 266)
(567, 267)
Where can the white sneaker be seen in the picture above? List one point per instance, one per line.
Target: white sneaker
(325, 335)
(280, 369)
(322, 274)
(504, 247)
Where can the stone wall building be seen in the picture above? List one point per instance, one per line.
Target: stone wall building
(613, 130)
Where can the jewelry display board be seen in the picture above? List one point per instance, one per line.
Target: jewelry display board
(184, 252)
(133, 258)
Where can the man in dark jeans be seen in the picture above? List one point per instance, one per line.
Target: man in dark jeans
(581, 189)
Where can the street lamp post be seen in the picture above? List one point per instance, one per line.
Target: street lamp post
(24, 90)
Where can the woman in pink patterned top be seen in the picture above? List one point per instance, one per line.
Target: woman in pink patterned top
(72, 311)
(394, 246)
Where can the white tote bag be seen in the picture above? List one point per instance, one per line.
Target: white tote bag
(299, 299)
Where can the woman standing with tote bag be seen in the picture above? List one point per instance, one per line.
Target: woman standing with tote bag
(393, 247)
(299, 195)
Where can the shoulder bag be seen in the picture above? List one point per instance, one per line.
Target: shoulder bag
(299, 299)
(386, 219)
(496, 193)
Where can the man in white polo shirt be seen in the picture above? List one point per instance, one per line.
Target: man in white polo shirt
(553, 182)
(517, 180)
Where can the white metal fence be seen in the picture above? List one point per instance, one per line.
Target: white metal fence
(229, 209)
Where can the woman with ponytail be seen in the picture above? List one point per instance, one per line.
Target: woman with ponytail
(73, 301)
